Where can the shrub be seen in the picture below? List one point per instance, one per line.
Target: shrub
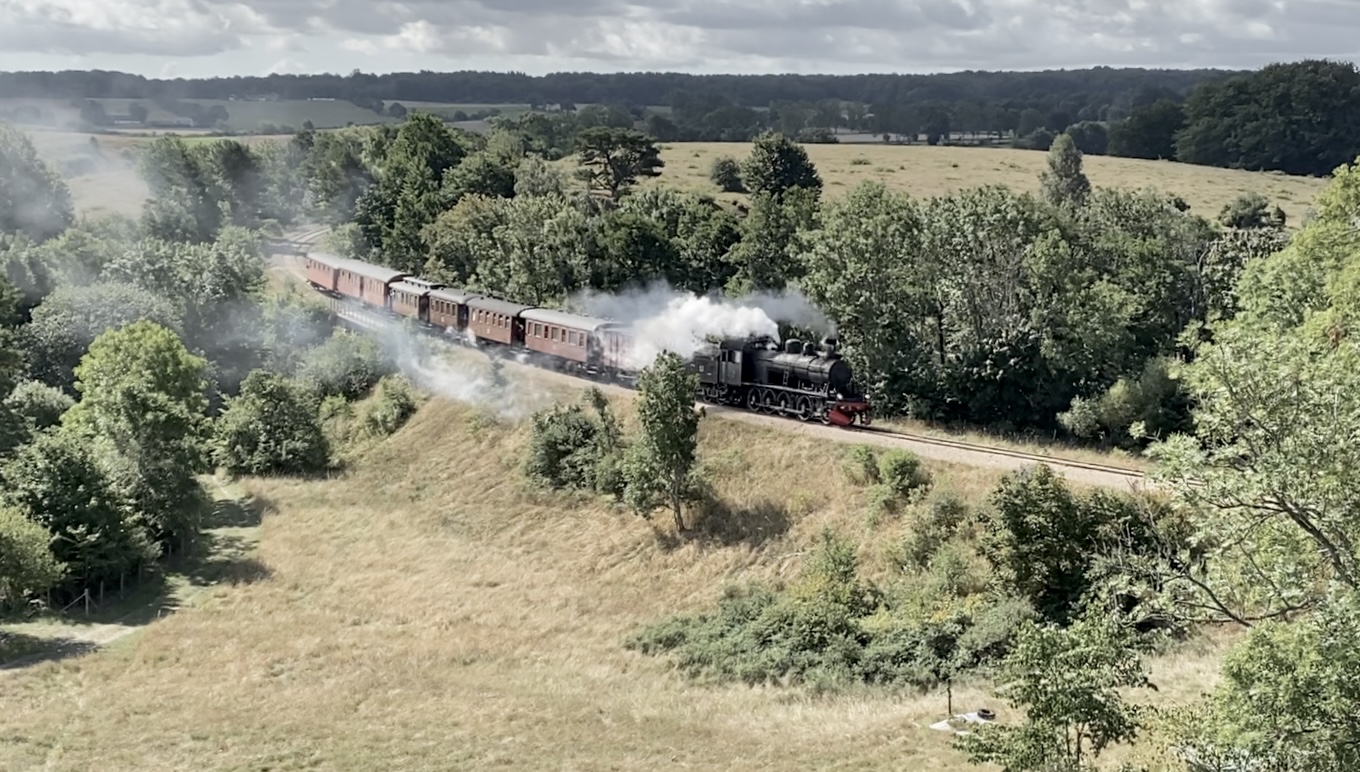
(902, 472)
(726, 174)
(571, 449)
(395, 404)
(346, 365)
(39, 405)
(934, 525)
(272, 426)
(861, 465)
(831, 628)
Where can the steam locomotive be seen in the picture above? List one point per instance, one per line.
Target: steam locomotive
(800, 380)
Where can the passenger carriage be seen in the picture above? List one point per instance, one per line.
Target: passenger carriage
(411, 297)
(496, 320)
(567, 336)
(448, 309)
(368, 283)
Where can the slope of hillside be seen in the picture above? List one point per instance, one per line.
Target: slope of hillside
(427, 610)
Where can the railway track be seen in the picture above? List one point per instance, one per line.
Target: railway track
(952, 451)
(1017, 454)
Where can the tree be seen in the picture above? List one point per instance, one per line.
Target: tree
(38, 405)
(660, 466)
(185, 194)
(1091, 137)
(272, 426)
(1067, 682)
(137, 112)
(27, 565)
(726, 174)
(35, 201)
(348, 365)
(1288, 696)
(1064, 183)
(1295, 117)
(1149, 132)
(777, 164)
(612, 159)
(412, 174)
(69, 320)
(142, 406)
(57, 483)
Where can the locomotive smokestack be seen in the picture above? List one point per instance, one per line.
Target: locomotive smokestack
(829, 345)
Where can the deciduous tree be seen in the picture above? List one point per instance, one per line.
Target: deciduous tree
(660, 465)
(776, 164)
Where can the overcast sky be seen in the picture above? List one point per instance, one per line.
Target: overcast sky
(255, 37)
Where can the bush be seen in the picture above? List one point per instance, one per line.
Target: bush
(726, 174)
(347, 365)
(861, 465)
(934, 526)
(39, 405)
(902, 472)
(831, 628)
(395, 404)
(272, 426)
(571, 449)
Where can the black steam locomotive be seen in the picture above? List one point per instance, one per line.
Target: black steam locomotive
(801, 380)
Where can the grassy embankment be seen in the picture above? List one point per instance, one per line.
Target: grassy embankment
(429, 610)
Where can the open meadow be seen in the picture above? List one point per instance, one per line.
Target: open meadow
(428, 610)
(925, 171)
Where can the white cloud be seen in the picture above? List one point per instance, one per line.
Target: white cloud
(696, 35)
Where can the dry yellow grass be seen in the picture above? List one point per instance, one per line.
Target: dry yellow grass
(925, 171)
(428, 611)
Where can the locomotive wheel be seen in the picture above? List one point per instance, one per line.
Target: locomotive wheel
(784, 404)
(753, 401)
(804, 409)
(767, 402)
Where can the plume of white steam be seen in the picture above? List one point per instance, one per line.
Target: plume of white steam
(419, 359)
(664, 318)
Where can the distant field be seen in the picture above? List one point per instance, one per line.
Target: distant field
(925, 171)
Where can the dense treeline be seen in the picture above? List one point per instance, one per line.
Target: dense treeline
(985, 306)
(137, 356)
(1290, 117)
(1106, 84)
